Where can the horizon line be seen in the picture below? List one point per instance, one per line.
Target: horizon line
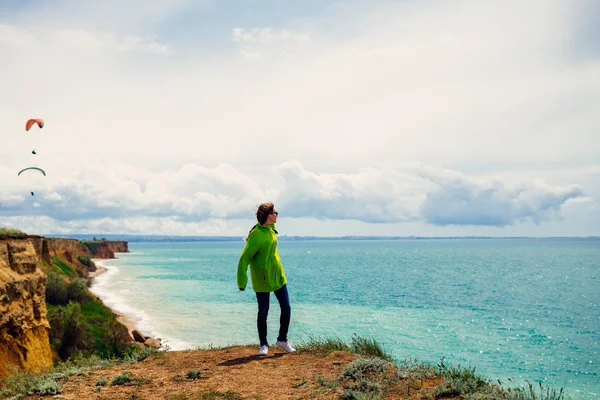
(100, 235)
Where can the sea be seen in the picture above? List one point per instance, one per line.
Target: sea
(516, 309)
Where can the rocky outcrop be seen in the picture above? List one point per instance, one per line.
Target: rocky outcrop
(145, 341)
(23, 324)
(105, 249)
(117, 246)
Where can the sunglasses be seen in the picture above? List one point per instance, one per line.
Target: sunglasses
(275, 212)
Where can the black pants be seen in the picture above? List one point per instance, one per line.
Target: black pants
(263, 310)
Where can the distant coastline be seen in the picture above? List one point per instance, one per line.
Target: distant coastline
(175, 238)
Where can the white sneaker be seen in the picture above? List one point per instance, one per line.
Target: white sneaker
(286, 346)
(264, 350)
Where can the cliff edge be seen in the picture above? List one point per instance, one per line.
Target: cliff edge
(24, 327)
(25, 261)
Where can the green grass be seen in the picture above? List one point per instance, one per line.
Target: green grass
(357, 345)
(96, 318)
(63, 267)
(12, 232)
(369, 347)
(322, 344)
(531, 393)
(96, 310)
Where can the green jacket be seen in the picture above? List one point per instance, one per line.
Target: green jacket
(261, 253)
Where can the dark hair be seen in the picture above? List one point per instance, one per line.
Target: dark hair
(262, 213)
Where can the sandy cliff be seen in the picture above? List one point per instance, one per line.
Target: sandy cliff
(23, 325)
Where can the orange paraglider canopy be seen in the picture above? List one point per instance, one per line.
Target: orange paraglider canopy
(32, 121)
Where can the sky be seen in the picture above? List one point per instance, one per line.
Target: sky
(180, 117)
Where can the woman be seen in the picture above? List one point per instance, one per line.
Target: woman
(267, 276)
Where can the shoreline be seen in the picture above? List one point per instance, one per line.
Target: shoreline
(124, 319)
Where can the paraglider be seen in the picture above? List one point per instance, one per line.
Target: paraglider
(30, 122)
(28, 125)
(33, 168)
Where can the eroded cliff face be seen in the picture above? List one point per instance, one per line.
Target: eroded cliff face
(117, 246)
(58, 247)
(62, 247)
(23, 325)
(107, 249)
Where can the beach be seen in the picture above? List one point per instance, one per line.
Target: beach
(123, 318)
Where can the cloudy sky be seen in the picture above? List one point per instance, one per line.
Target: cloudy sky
(371, 117)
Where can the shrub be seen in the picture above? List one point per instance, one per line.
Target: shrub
(86, 261)
(48, 386)
(364, 378)
(362, 367)
(102, 381)
(67, 331)
(59, 292)
(21, 383)
(56, 289)
(122, 379)
(76, 291)
(116, 338)
(459, 381)
(12, 232)
(193, 374)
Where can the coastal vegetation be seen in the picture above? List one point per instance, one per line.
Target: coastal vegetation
(321, 368)
(80, 323)
(20, 384)
(11, 232)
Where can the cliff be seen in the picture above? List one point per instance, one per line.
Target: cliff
(104, 249)
(24, 261)
(23, 325)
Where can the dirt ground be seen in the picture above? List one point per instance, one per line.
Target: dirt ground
(230, 374)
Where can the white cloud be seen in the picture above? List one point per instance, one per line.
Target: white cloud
(494, 204)
(111, 194)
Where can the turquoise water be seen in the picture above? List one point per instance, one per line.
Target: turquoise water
(512, 308)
